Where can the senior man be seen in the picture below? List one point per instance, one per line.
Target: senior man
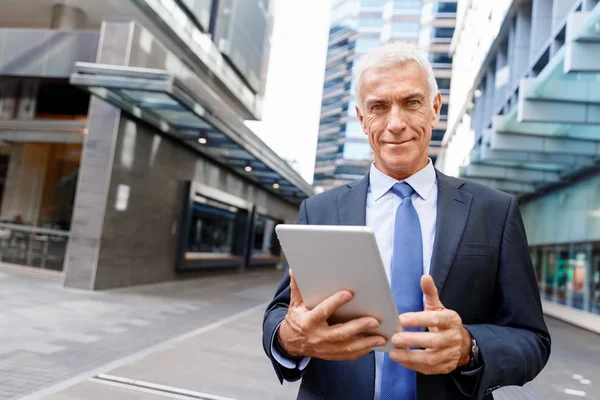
(455, 254)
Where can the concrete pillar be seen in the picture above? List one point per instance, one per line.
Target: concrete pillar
(96, 168)
(560, 10)
(520, 48)
(24, 185)
(541, 26)
(65, 17)
(502, 76)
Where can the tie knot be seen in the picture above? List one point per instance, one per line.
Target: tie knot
(403, 189)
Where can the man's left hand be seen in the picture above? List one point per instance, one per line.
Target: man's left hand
(445, 347)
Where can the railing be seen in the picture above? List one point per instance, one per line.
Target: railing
(33, 246)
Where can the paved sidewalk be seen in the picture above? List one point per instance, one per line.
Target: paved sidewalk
(49, 334)
(196, 339)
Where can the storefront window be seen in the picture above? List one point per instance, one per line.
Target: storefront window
(211, 229)
(595, 279)
(265, 241)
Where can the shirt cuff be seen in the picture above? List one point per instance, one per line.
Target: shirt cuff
(284, 361)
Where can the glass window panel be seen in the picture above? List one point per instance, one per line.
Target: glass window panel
(363, 45)
(372, 3)
(405, 26)
(595, 279)
(211, 229)
(354, 130)
(443, 83)
(405, 5)
(440, 58)
(369, 22)
(357, 151)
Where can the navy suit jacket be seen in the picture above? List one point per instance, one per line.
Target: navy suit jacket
(482, 269)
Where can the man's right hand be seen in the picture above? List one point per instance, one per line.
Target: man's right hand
(306, 332)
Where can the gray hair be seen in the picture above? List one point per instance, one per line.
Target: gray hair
(392, 54)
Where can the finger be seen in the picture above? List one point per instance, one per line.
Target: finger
(424, 361)
(431, 319)
(423, 340)
(295, 296)
(327, 307)
(347, 330)
(353, 346)
(432, 299)
(347, 357)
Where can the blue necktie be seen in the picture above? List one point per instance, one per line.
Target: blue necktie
(398, 382)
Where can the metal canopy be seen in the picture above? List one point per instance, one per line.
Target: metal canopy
(163, 100)
(552, 131)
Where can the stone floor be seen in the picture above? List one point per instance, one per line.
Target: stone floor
(186, 340)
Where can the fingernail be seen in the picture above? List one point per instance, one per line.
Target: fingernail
(347, 295)
(381, 342)
(373, 324)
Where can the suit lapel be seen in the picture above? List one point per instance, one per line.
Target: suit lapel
(452, 214)
(352, 203)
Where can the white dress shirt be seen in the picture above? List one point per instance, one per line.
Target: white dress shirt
(382, 204)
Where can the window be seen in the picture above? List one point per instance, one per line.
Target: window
(444, 110)
(443, 33)
(436, 35)
(405, 29)
(407, 5)
(372, 3)
(264, 241)
(363, 45)
(440, 58)
(437, 134)
(443, 83)
(444, 7)
(439, 10)
(369, 22)
(354, 130)
(211, 229)
(357, 151)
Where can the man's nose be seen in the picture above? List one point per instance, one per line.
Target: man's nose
(397, 120)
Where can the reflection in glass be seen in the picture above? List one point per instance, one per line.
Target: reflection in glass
(211, 230)
(595, 280)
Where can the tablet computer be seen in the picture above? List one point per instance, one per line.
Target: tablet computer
(326, 259)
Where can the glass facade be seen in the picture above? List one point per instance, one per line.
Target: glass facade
(212, 229)
(565, 245)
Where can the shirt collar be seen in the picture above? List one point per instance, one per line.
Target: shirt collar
(422, 181)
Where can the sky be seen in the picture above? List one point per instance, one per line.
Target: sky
(292, 103)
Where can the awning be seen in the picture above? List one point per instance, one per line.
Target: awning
(174, 106)
(552, 132)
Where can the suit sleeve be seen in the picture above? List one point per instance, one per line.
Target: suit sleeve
(275, 314)
(515, 345)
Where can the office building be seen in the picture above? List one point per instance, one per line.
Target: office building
(343, 151)
(124, 157)
(525, 119)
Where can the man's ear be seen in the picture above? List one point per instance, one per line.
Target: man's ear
(437, 108)
(361, 119)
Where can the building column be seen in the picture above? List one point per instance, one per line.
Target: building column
(65, 17)
(81, 260)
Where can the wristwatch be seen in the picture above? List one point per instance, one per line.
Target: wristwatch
(474, 355)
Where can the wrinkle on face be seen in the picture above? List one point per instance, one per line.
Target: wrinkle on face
(398, 117)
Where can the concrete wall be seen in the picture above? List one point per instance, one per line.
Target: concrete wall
(139, 244)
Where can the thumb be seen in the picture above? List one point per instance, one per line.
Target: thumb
(432, 299)
(295, 296)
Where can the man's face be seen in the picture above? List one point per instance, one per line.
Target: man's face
(398, 117)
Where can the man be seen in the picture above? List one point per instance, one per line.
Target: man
(455, 253)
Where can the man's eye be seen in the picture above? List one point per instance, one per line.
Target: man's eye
(413, 102)
(377, 107)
